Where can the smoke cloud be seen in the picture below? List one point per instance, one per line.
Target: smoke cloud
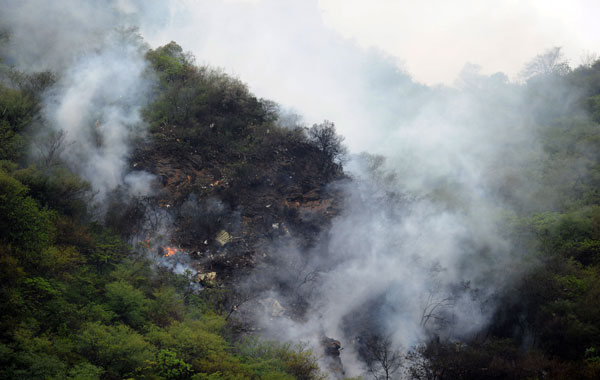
(422, 245)
(103, 83)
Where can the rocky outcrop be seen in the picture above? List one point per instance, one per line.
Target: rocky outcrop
(331, 348)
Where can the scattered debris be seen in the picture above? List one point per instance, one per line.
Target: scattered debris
(207, 278)
(223, 237)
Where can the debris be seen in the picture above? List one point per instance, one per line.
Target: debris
(272, 307)
(223, 237)
(233, 308)
(207, 278)
(275, 226)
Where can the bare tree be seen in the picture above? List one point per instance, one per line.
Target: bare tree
(382, 358)
(588, 59)
(551, 62)
(434, 305)
(50, 147)
(325, 138)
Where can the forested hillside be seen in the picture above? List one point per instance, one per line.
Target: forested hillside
(80, 302)
(546, 324)
(162, 275)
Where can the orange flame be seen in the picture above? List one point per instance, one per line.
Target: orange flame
(170, 251)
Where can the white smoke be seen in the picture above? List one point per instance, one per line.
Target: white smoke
(97, 102)
(422, 245)
(422, 238)
(103, 83)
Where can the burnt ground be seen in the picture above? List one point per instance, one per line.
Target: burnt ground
(284, 191)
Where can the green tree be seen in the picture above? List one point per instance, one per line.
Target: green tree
(22, 223)
(169, 367)
(127, 302)
(118, 350)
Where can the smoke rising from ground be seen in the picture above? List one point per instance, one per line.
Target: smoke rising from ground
(97, 103)
(102, 83)
(421, 246)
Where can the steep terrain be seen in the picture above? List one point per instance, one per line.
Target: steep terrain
(280, 192)
(227, 176)
(238, 197)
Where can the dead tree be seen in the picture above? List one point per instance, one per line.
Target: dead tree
(50, 147)
(382, 358)
(434, 306)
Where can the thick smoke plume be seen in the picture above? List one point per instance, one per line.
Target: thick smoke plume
(421, 247)
(92, 114)
(97, 104)
(102, 84)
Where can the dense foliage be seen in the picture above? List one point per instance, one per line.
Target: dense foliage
(205, 112)
(77, 302)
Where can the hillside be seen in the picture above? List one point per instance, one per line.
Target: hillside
(222, 216)
(79, 302)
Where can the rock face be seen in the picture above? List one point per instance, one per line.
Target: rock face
(331, 348)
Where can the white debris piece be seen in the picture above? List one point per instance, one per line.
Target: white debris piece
(272, 307)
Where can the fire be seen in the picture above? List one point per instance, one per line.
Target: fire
(147, 244)
(170, 251)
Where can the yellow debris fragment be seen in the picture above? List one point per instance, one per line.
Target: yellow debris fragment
(206, 277)
(223, 237)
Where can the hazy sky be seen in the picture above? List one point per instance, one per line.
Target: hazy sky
(435, 38)
(431, 39)
(328, 57)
